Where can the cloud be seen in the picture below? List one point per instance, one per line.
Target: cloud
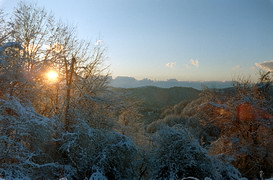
(266, 65)
(171, 64)
(194, 62)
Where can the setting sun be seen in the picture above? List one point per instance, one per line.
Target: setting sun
(52, 75)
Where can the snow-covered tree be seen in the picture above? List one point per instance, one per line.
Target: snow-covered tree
(92, 150)
(27, 145)
(179, 155)
(36, 43)
(14, 80)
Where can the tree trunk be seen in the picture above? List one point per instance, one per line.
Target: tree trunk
(69, 80)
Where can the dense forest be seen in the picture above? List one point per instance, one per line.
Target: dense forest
(60, 119)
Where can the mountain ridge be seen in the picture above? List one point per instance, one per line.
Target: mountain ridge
(131, 82)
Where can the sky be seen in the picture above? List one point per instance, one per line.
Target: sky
(189, 40)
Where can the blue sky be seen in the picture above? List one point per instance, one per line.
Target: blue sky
(183, 39)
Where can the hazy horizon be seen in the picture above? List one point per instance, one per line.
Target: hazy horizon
(169, 79)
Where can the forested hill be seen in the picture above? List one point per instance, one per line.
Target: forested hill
(155, 97)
